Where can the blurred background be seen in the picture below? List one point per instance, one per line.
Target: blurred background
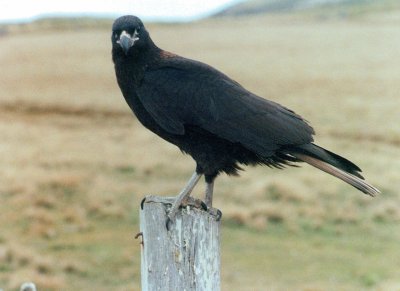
(75, 162)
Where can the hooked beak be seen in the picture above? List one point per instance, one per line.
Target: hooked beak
(126, 41)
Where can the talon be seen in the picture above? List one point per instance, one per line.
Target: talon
(168, 224)
(193, 202)
(204, 206)
(142, 203)
(219, 215)
(216, 213)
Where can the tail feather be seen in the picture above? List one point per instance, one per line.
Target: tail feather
(350, 178)
(329, 157)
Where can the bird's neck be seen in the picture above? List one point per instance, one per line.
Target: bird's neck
(135, 65)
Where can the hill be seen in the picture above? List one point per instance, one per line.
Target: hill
(328, 8)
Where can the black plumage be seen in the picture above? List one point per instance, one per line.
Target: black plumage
(212, 117)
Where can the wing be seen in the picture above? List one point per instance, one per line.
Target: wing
(193, 93)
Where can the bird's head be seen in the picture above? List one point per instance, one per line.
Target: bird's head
(128, 35)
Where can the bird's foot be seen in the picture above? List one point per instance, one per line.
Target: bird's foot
(215, 212)
(157, 199)
(189, 201)
(186, 202)
(194, 202)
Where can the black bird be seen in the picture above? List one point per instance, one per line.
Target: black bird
(212, 117)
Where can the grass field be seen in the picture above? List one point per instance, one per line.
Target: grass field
(75, 163)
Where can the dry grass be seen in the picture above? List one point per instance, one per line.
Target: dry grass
(75, 163)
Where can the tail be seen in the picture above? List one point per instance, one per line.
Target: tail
(335, 165)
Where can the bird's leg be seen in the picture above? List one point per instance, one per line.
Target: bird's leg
(182, 195)
(209, 196)
(209, 193)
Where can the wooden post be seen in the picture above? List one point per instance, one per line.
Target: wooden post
(187, 257)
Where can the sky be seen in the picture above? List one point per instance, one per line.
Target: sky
(163, 10)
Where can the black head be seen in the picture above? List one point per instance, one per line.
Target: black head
(129, 35)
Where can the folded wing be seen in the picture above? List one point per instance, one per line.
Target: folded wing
(192, 93)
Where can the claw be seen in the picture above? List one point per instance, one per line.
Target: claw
(193, 202)
(168, 224)
(215, 213)
(188, 201)
(219, 215)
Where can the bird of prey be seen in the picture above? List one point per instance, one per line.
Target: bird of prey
(212, 117)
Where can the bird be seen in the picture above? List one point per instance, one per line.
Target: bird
(213, 118)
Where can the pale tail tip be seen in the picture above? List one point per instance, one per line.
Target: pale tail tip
(372, 191)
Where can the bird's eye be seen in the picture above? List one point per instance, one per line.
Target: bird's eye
(116, 35)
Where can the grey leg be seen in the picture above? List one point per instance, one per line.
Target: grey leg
(182, 195)
(209, 194)
(209, 197)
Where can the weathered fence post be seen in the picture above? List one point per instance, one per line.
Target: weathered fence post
(187, 257)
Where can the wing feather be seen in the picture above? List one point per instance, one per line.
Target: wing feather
(196, 94)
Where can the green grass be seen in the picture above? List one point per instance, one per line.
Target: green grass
(332, 258)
